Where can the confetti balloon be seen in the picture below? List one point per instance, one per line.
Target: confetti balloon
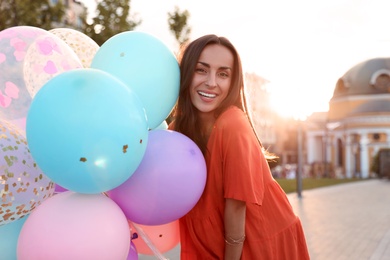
(14, 96)
(47, 57)
(23, 186)
(84, 47)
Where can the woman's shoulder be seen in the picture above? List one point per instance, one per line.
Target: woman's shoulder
(231, 113)
(233, 117)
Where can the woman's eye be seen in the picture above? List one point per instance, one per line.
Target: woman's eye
(200, 70)
(224, 74)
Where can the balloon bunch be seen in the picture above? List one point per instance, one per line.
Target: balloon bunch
(86, 157)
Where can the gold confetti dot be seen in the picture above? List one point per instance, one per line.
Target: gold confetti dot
(125, 148)
(83, 159)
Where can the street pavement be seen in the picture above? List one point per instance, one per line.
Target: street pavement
(341, 222)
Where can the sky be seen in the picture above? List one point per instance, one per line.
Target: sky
(301, 47)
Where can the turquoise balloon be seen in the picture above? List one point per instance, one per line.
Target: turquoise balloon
(9, 235)
(147, 67)
(87, 131)
(162, 126)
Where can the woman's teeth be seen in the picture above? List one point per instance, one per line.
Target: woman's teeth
(207, 94)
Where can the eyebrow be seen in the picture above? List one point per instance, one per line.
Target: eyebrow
(208, 66)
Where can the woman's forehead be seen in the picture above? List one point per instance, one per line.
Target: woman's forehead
(217, 56)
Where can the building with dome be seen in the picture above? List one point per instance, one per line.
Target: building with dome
(344, 141)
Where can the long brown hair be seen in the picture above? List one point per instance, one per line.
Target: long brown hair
(185, 115)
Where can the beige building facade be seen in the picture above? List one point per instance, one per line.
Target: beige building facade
(347, 138)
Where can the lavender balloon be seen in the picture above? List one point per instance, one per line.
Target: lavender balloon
(168, 182)
(133, 254)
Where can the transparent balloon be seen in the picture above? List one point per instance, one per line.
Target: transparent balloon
(23, 185)
(84, 47)
(14, 96)
(47, 57)
(29, 56)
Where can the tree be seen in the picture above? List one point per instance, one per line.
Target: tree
(177, 21)
(37, 13)
(112, 17)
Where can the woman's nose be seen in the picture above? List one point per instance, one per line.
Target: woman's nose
(211, 82)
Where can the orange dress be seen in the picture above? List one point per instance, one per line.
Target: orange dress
(237, 169)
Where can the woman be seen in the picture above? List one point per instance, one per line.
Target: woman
(243, 212)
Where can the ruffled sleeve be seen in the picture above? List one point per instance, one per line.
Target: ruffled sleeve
(243, 160)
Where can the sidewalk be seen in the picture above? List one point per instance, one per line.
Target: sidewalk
(341, 222)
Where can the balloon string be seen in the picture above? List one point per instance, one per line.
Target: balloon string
(148, 242)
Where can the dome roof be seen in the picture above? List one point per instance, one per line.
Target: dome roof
(375, 106)
(368, 77)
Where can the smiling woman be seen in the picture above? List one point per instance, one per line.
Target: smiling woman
(243, 210)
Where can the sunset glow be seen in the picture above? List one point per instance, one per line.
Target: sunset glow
(302, 47)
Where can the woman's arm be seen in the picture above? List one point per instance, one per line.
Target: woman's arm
(234, 221)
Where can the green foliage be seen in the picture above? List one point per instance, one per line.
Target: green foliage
(177, 21)
(37, 13)
(112, 17)
(290, 185)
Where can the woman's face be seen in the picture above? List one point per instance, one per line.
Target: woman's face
(212, 78)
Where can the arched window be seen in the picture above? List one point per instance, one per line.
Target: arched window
(380, 79)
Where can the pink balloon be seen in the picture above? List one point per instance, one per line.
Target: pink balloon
(168, 182)
(163, 237)
(72, 225)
